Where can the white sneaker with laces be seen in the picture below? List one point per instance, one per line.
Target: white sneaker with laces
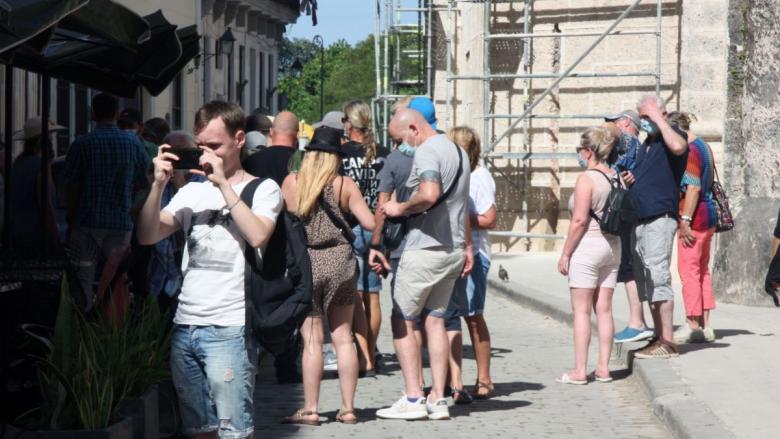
(330, 363)
(439, 410)
(709, 334)
(405, 409)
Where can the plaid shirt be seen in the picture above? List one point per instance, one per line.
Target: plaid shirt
(107, 165)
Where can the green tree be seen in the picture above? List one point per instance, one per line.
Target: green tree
(349, 74)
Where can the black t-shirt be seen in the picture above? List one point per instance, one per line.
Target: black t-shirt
(270, 162)
(365, 174)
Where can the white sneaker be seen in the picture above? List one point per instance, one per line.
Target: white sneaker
(330, 363)
(439, 410)
(709, 334)
(405, 409)
(683, 334)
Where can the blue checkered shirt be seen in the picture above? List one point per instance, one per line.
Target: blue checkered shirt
(108, 165)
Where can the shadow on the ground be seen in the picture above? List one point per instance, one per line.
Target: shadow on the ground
(506, 389)
(486, 405)
(693, 347)
(723, 333)
(468, 352)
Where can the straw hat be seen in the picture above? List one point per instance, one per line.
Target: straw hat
(32, 129)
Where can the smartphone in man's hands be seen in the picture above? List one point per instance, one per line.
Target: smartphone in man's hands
(189, 158)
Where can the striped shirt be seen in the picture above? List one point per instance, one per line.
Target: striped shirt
(108, 165)
(699, 172)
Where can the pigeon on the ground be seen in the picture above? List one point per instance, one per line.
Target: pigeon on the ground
(502, 274)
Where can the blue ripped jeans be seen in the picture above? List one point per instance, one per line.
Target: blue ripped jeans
(215, 379)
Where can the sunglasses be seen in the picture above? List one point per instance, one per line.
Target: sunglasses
(581, 148)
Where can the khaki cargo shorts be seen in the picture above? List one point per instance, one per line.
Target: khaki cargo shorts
(425, 281)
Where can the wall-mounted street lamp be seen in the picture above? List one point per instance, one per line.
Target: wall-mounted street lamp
(225, 42)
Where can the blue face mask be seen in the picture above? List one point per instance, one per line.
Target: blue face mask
(406, 149)
(583, 163)
(648, 126)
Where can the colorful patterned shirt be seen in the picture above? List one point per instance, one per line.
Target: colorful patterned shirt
(108, 165)
(699, 172)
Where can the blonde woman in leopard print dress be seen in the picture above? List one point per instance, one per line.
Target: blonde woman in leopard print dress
(310, 194)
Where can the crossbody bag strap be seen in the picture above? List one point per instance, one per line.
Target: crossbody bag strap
(454, 184)
(338, 222)
(609, 180)
(247, 196)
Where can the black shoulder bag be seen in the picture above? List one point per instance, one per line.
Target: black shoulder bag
(395, 229)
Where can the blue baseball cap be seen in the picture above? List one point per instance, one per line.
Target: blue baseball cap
(424, 105)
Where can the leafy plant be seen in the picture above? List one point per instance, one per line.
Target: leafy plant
(93, 365)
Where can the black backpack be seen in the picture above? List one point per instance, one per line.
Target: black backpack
(278, 294)
(621, 211)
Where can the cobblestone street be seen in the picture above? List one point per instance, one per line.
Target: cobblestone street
(529, 351)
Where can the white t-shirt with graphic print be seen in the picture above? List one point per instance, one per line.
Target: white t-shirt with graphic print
(213, 289)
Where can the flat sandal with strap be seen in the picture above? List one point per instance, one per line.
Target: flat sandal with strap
(340, 417)
(298, 418)
(480, 385)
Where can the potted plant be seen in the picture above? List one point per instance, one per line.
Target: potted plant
(92, 367)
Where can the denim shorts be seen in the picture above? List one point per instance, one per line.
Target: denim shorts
(214, 378)
(468, 296)
(368, 280)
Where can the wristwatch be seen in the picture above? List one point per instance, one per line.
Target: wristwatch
(686, 218)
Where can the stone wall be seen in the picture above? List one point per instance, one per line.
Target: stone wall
(533, 195)
(753, 155)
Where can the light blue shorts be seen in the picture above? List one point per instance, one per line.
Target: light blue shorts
(368, 280)
(215, 380)
(468, 296)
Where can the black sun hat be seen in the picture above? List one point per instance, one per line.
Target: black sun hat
(326, 139)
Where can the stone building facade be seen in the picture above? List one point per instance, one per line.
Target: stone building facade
(533, 194)
(248, 76)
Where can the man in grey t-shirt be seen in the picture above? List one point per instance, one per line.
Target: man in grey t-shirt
(438, 250)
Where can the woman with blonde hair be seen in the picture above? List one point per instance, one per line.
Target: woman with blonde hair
(362, 161)
(590, 257)
(468, 297)
(321, 198)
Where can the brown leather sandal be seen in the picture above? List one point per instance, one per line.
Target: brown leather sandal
(480, 385)
(340, 417)
(298, 418)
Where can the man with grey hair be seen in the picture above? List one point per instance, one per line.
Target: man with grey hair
(624, 127)
(437, 251)
(660, 164)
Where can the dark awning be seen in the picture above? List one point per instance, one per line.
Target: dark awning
(22, 20)
(106, 46)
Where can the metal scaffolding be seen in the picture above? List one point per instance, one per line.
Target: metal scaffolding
(492, 138)
(403, 65)
(393, 22)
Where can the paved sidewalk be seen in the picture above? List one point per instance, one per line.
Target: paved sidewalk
(725, 388)
(529, 351)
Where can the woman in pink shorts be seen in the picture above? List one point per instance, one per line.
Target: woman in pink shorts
(590, 257)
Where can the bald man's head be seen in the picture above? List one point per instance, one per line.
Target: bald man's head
(410, 126)
(284, 131)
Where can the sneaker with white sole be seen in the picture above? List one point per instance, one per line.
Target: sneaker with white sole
(329, 360)
(709, 334)
(630, 334)
(438, 411)
(405, 409)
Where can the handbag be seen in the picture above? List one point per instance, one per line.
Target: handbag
(724, 219)
(395, 229)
